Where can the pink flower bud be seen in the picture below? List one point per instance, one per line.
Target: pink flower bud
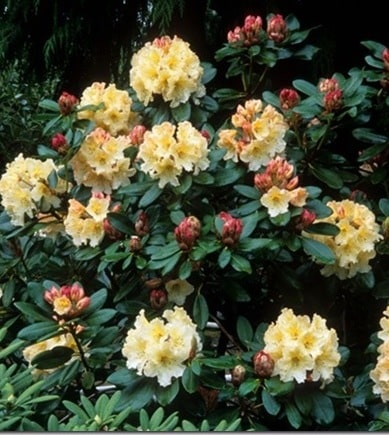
(306, 218)
(158, 298)
(263, 364)
(136, 134)
(59, 143)
(111, 231)
(232, 229)
(205, 134)
(234, 36)
(333, 100)
(69, 301)
(289, 98)
(67, 102)
(385, 58)
(328, 85)
(277, 29)
(187, 232)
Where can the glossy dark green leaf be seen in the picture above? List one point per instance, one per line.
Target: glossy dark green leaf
(322, 408)
(383, 204)
(319, 251)
(200, 311)
(270, 403)
(55, 357)
(166, 395)
(150, 196)
(327, 176)
(189, 380)
(181, 112)
(38, 330)
(224, 258)
(323, 228)
(32, 311)
(248, 386)
(293, 415)
(244, 329)
(240, 263)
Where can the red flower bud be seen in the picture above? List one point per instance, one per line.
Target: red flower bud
(66, 103)
(187, 232)
(263, 364)
(59, 143)
(142, 224)
(385, 58)
(277, 29)
(232, 229)
(333, 100)
(110, 231)
(289, 98)
(158, 298)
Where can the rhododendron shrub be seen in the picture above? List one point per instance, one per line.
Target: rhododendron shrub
(216, 254)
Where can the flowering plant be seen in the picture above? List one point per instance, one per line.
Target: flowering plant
(216, 254)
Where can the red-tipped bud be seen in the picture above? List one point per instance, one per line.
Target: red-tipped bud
(59, 143)
(69, 301)
(205, 134)
(328, 85)
(238, 374)
(136, 134)
(232, 229)
(158, 298)
(142, 224)
(385, 58)
(187, 233)
(67, 102)
(263, 364)
(289, 98)
(306, 218)
(333, 100)
(277, 28)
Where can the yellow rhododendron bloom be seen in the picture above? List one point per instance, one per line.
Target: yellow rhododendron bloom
(354, 246)
(166, 67)
(302, 349)
(168, 150)
(258, 135)
(115, 115)
(276, 201)
(25, 189)
(161, 347)
(100, 162)
(85, 223)
(380, 373)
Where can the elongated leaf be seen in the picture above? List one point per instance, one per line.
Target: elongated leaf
(318, 250)
(327, 176)
(244, 329)
(55, 357)
(270, 403)
(323, 228)
(150, 196)
(240, 264)
(200, 311)
(38, 330)
(293, 415)
(189, 380)
(322, 408)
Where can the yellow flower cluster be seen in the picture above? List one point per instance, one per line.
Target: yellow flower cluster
(258, 135)
(115, 115)
(166, 67)
(380, 373)
(354, 246)
(30, 352)
(302, 349)
(85, 224)
(100, 162)
(161, 348)
(25, 190)
(167, 150)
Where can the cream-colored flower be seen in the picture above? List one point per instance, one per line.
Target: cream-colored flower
(100, 162)
(276, 201)
(380, 373)
(115, 116)
(85, 224)
(25, 189)
(161, 347)
(166, 67)
(168, 150)
(354, 246)
(302, 349)
(178, 290)
(258, 135)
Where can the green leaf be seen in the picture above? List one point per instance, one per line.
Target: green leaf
(55, 357)
(50, 105)
(293, 415)
(251, 245)
(249, 223)
(120, 222)
(371, 152)
(166, 395)
(327, 176)
(270, 403)
(150, 196)
(323, 228)
(383, 204)
(189, 380)
(38, 330)
(368, 135)
(276, 387)
(240, 264)
(31, 311)
(185, 270)
(97, 300)
(244, 330)
(182, 112)
(200, 311)
(305, 87)
(101, 316)
(322, 408)
(318, 250)
(224, 258)
(249, 385)
(46, 152)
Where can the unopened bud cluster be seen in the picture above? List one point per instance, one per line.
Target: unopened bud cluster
(68, 301)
